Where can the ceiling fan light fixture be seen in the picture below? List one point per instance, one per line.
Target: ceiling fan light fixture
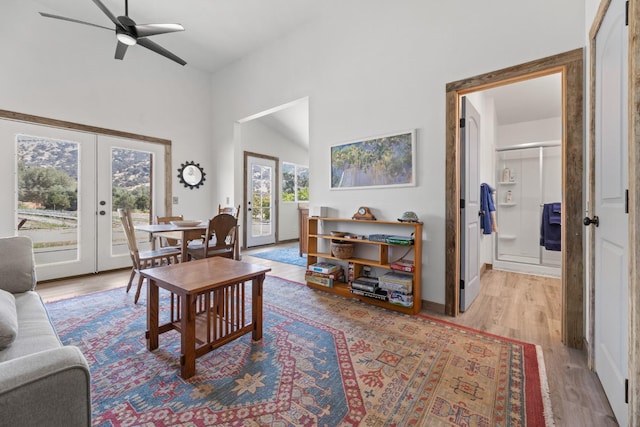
(126, 39)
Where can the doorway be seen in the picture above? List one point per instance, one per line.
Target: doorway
(280, 133)
(570, 66)
(67, 182)
(261, 191)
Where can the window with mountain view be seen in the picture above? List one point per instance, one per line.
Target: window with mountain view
(295, 183)
(48, 197)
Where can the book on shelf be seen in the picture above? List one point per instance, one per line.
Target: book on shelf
(323, 267)
(378, 294)
(322, 281)
(400, 240)
(400, 298)
(362, 283)
(403, 265)
(339, 274)
(397, 277)
(394, 287)
(397, 282)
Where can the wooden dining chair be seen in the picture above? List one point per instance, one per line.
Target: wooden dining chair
(220, 239)
(143, 259)
(165, 242)
(232, 210)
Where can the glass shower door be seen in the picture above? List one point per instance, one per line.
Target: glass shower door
(527, 177)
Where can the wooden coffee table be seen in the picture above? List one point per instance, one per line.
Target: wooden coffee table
(208, 305)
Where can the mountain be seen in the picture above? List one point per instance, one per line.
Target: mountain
(130, 168)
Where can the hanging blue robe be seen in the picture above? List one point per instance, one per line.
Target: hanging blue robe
(486, 207)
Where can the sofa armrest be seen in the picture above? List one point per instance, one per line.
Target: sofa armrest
(51, 387)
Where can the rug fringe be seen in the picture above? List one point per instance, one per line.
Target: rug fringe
(544, 389)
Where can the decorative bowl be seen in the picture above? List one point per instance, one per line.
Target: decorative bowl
(339, 233)
(342, 250)
(186, 223)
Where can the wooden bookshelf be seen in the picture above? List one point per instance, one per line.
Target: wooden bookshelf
(379, 254)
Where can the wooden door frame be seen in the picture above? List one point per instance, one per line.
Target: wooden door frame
(634, 200)
(570, 64)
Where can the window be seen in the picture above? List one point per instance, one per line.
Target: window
(295, 183)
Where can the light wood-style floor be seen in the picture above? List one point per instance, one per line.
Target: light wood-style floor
(517, 306)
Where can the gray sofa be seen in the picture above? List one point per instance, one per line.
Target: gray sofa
(42, 382)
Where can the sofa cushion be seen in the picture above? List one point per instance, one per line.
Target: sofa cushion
(8, 319)
(35, 331)
(17, 264)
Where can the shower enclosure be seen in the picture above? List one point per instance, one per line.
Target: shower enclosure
(528, 176)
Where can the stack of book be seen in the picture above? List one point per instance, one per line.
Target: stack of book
(403, 265)
(324, 274)
(399, 288)
(368, 287)
(400, 240)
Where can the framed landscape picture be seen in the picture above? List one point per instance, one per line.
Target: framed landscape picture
(381, 161)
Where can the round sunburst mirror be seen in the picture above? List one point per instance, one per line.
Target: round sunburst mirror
(191, 175)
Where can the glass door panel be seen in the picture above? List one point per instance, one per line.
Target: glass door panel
(48, 172)
(133, 177)
(260, 182)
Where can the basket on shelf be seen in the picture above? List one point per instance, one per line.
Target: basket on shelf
(342, 250)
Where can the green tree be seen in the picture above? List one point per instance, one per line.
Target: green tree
(36, 184)
(58, 198)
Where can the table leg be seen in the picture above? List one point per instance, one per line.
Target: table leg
(188, 336)
(185, 243)
(152, 314)
(256, 309)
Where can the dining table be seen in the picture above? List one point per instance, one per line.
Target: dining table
(184, 233)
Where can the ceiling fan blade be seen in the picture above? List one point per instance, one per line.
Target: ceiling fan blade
(107, 12)
(160, 50)
(121, 49)
(146, 30)
(64, 18)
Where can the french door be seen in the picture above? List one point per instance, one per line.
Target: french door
(260, 183)
(67, 185)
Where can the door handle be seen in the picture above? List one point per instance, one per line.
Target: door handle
(588, 221)
(102, 213)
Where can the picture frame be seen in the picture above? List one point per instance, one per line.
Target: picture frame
(381, 161)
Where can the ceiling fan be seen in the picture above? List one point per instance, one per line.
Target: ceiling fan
(129, 33)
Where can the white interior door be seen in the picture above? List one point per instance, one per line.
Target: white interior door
(611, 235)
(261, 201)
(469, 215)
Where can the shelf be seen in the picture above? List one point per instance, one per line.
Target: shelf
(507, 182)
(507, 237)
(507, 204)
(363, 261)
(379, 260)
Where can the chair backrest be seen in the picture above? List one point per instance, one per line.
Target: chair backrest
(231, 210)
(130, 232)
(222, 227)
(164, 242)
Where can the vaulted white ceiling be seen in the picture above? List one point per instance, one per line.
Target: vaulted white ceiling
(219, 32)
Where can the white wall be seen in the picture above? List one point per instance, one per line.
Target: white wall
(258, 138)
(66, 71)
(379, 67)
(543, 130)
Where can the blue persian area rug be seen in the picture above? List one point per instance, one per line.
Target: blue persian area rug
(287, 255)
(323, 360)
